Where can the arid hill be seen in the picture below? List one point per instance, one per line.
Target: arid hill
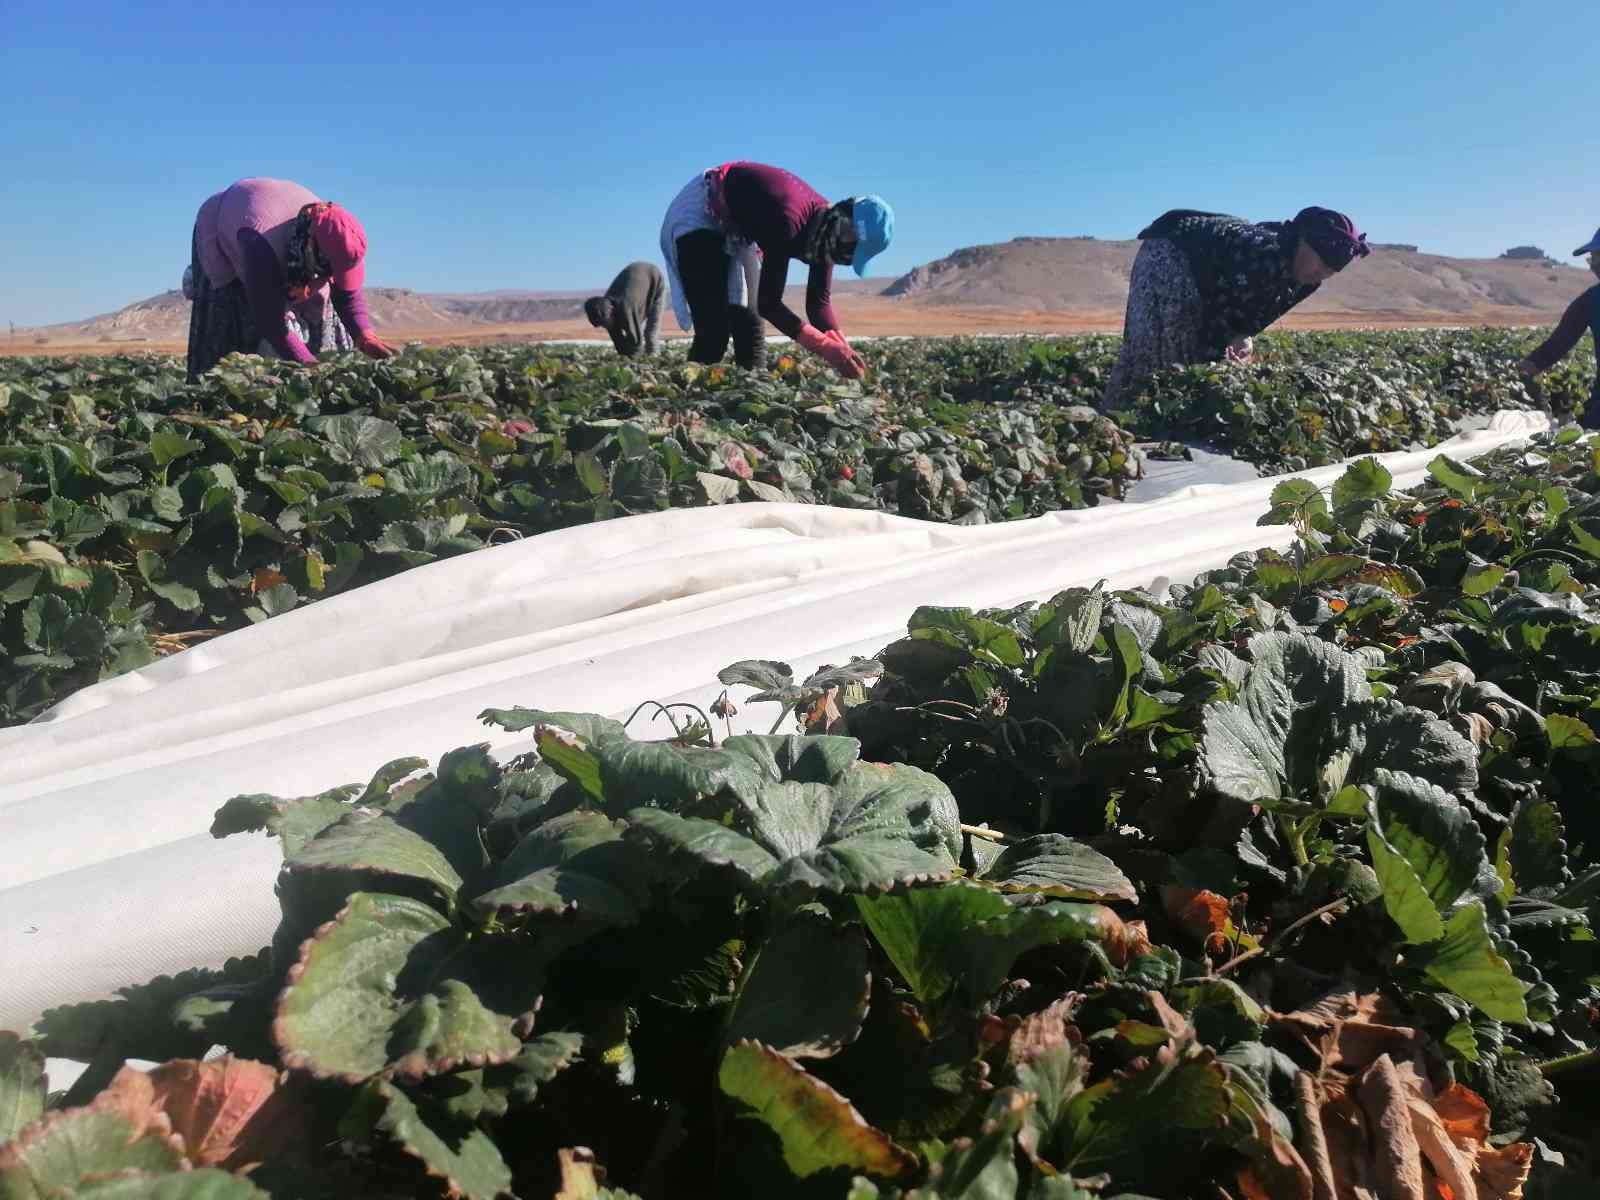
(1085, 275)
(1028, 284)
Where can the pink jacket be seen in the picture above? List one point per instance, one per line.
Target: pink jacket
(243, 233)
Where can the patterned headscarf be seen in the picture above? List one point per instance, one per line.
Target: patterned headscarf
(304, 264)
(826, 230)
(1332, 235)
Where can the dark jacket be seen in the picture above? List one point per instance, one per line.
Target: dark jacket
(638, 293)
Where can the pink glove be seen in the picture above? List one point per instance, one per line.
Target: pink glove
(372, 345)
(858, 365)
(834, 350)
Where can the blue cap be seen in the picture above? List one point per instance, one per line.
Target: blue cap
(1594, 244)
(874, 221)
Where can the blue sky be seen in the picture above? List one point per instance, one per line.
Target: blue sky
(538, 145)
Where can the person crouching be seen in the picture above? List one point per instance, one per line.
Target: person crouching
(630, 311)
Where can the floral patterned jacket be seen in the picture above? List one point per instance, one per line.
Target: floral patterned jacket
(1242, 270)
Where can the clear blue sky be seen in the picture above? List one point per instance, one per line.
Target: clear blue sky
(537, 145)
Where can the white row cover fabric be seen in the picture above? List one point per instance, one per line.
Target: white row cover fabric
(108, 876)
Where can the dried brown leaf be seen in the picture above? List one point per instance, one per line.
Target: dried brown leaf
(1351, 1032)
(1465, 1116)
(265, 578)
(1279, 1172)
(1124, 940)
(1450, 1164)
(1501, 1173)
(1174, 1022)
(1396, 1157)
(1202, 915)
(1344, 1126)
(825, 715)
(1313, 1142)
(580, 1174)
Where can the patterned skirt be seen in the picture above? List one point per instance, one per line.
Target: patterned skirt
(220, 322)
(1162, 326)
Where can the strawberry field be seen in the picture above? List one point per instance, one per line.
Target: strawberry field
(139, 515)
(1277, 883)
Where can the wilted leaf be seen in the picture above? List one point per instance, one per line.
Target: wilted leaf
(817, 1126)
(230, 1112)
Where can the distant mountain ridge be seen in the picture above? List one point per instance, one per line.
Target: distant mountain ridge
(1054, 275)
(1091, 276)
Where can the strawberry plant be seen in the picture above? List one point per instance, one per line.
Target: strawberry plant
(1278, 883)
(1315, 398)
(139, 514)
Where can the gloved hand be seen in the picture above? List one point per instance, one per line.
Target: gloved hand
(372, 345)
(858, 363)
(834, 350)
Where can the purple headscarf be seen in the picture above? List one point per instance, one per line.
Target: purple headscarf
(1332, 235)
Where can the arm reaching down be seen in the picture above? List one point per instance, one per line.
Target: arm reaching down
(352, 309)
(265, 289)
(1560, 343)
(819, 297)
(774, 277)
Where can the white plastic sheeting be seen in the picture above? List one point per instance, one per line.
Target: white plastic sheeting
(107, 874)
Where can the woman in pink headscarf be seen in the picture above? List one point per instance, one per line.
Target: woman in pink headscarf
(275, 270)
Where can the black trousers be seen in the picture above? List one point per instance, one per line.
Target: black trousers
(703, 264)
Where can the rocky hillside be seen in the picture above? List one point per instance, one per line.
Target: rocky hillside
(1063, 276)
(165, 318)
(1091, 276)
